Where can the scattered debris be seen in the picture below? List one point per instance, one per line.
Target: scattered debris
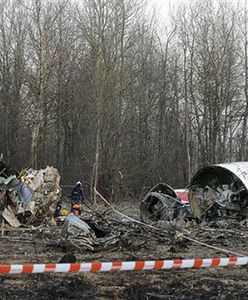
(33, 198)
(116, 233)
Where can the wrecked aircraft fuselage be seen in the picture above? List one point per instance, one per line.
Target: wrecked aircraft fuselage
(220, 191)
(215, 192)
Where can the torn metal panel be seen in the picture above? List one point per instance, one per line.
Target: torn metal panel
(220, 191)
(77, 222)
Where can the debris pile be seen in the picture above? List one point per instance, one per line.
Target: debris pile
(91, 234)
(46, 190)
(75, 232)
(29, 196)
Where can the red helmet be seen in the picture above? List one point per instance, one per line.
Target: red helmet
(76, 209)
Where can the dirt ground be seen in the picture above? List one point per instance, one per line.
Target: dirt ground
(17, 247)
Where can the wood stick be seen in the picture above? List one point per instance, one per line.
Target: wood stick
(2, 228)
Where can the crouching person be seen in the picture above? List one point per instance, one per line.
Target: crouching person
(76, 209)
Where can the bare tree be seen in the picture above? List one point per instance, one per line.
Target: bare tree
(12, 64)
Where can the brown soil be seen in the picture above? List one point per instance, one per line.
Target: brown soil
(210, 283)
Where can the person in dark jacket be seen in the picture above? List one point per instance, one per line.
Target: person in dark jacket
(57, 209)
(77, 193)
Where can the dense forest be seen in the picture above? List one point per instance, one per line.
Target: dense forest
(111, 95)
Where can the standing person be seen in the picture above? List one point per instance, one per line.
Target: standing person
(77, 193)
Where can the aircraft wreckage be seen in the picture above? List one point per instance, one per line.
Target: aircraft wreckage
(214, 192)
(218, 191)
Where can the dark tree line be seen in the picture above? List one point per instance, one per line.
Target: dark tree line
(95, 89)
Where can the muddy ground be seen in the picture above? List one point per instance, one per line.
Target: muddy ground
(39, 246)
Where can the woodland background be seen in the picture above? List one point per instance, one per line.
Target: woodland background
(110, 95)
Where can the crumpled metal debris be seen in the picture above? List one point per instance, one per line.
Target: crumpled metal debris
(10, 182)
(30, 197)
(162, 203)
(78, 234)
(24, 192)
(220, 191)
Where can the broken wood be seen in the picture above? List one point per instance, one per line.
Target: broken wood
(2, 228)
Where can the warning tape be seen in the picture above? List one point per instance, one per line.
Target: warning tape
(125, 266)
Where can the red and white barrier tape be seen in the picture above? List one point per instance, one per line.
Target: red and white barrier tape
(124, 266)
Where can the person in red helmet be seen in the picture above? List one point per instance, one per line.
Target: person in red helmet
(76, 209)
